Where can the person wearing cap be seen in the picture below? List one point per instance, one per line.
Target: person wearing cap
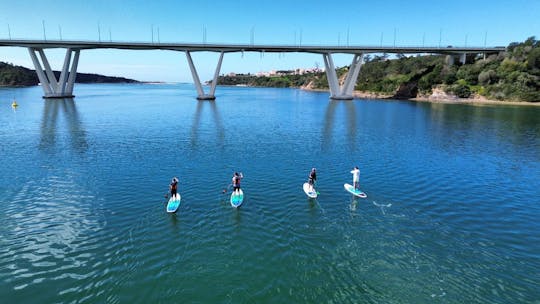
(236, 181)
(174, 186)
(312, 178)
(356, 177)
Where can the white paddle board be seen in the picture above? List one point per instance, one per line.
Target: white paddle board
(174, 203)
(237, 198)
(311, 193)
(355, 192)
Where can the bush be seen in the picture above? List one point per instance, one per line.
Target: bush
(533, 60)
(487, 77)
(450, 78)
(461, 91)
(480, 90)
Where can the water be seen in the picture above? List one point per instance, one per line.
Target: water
(451, 215)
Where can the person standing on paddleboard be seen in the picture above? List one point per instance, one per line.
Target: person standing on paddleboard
(312, 178)
(174, 186)
(356, 178)
(236, 181)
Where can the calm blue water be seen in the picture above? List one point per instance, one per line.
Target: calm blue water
(452, 214)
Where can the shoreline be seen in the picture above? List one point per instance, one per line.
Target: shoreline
(448, 99)
(474, 101)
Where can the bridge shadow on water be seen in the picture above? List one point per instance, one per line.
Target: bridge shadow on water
(330, 122)
(195, 128)
(54, 110)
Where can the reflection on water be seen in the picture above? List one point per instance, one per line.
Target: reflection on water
(354, 203)
(50, 129)
(515, 125)
(195, 128)
(329, 122)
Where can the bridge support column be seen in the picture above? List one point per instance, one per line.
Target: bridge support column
(449, 60)
(344, 92)
(198, 85)
(52, 87)
(463, 58)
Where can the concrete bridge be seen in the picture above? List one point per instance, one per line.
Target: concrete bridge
(63, 86)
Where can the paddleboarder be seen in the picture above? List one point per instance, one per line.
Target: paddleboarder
(312, 178)
(356, 178)
(173, 186)
(236, 181)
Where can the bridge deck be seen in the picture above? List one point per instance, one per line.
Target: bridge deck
(213, 47)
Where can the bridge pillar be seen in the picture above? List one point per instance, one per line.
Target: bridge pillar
(463, 58)
(198, 85)
(52, 87)
(344, 92)
(450, 60)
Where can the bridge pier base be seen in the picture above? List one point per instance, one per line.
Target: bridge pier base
(52, 87)
(198, 85)
(344, 92)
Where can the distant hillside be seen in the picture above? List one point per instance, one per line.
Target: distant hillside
(11, 75)
(511, 76)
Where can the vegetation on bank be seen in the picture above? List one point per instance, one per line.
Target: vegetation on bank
(512, 76)
(11, 75)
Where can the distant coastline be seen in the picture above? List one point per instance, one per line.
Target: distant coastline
(18, 76)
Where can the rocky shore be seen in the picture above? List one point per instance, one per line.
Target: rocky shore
(438, 96)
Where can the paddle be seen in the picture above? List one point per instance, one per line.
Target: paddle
(224, 191)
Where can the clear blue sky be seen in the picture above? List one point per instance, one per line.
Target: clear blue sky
(457, 22)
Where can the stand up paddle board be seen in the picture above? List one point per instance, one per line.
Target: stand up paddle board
(237, 198)
(355, 192)
(311, 193)
(174, 203)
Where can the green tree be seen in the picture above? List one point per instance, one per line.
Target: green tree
(533, 60)
(487, 77)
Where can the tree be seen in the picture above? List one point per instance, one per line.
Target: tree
(533, 60)
(461, 91)
(487, 77)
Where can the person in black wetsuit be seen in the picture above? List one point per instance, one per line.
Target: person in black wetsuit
(312, 178)
(174, 186)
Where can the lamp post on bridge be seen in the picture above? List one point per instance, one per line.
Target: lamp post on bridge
(43, 24)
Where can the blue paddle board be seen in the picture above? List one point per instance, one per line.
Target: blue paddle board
(237, 198)
(174, 203)
(355, 192)
(310, 192)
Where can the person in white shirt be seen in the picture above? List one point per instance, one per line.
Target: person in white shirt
(356, 178)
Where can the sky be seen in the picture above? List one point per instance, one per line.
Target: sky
(337, 22)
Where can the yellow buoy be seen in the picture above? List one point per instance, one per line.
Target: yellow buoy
(14, 104)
